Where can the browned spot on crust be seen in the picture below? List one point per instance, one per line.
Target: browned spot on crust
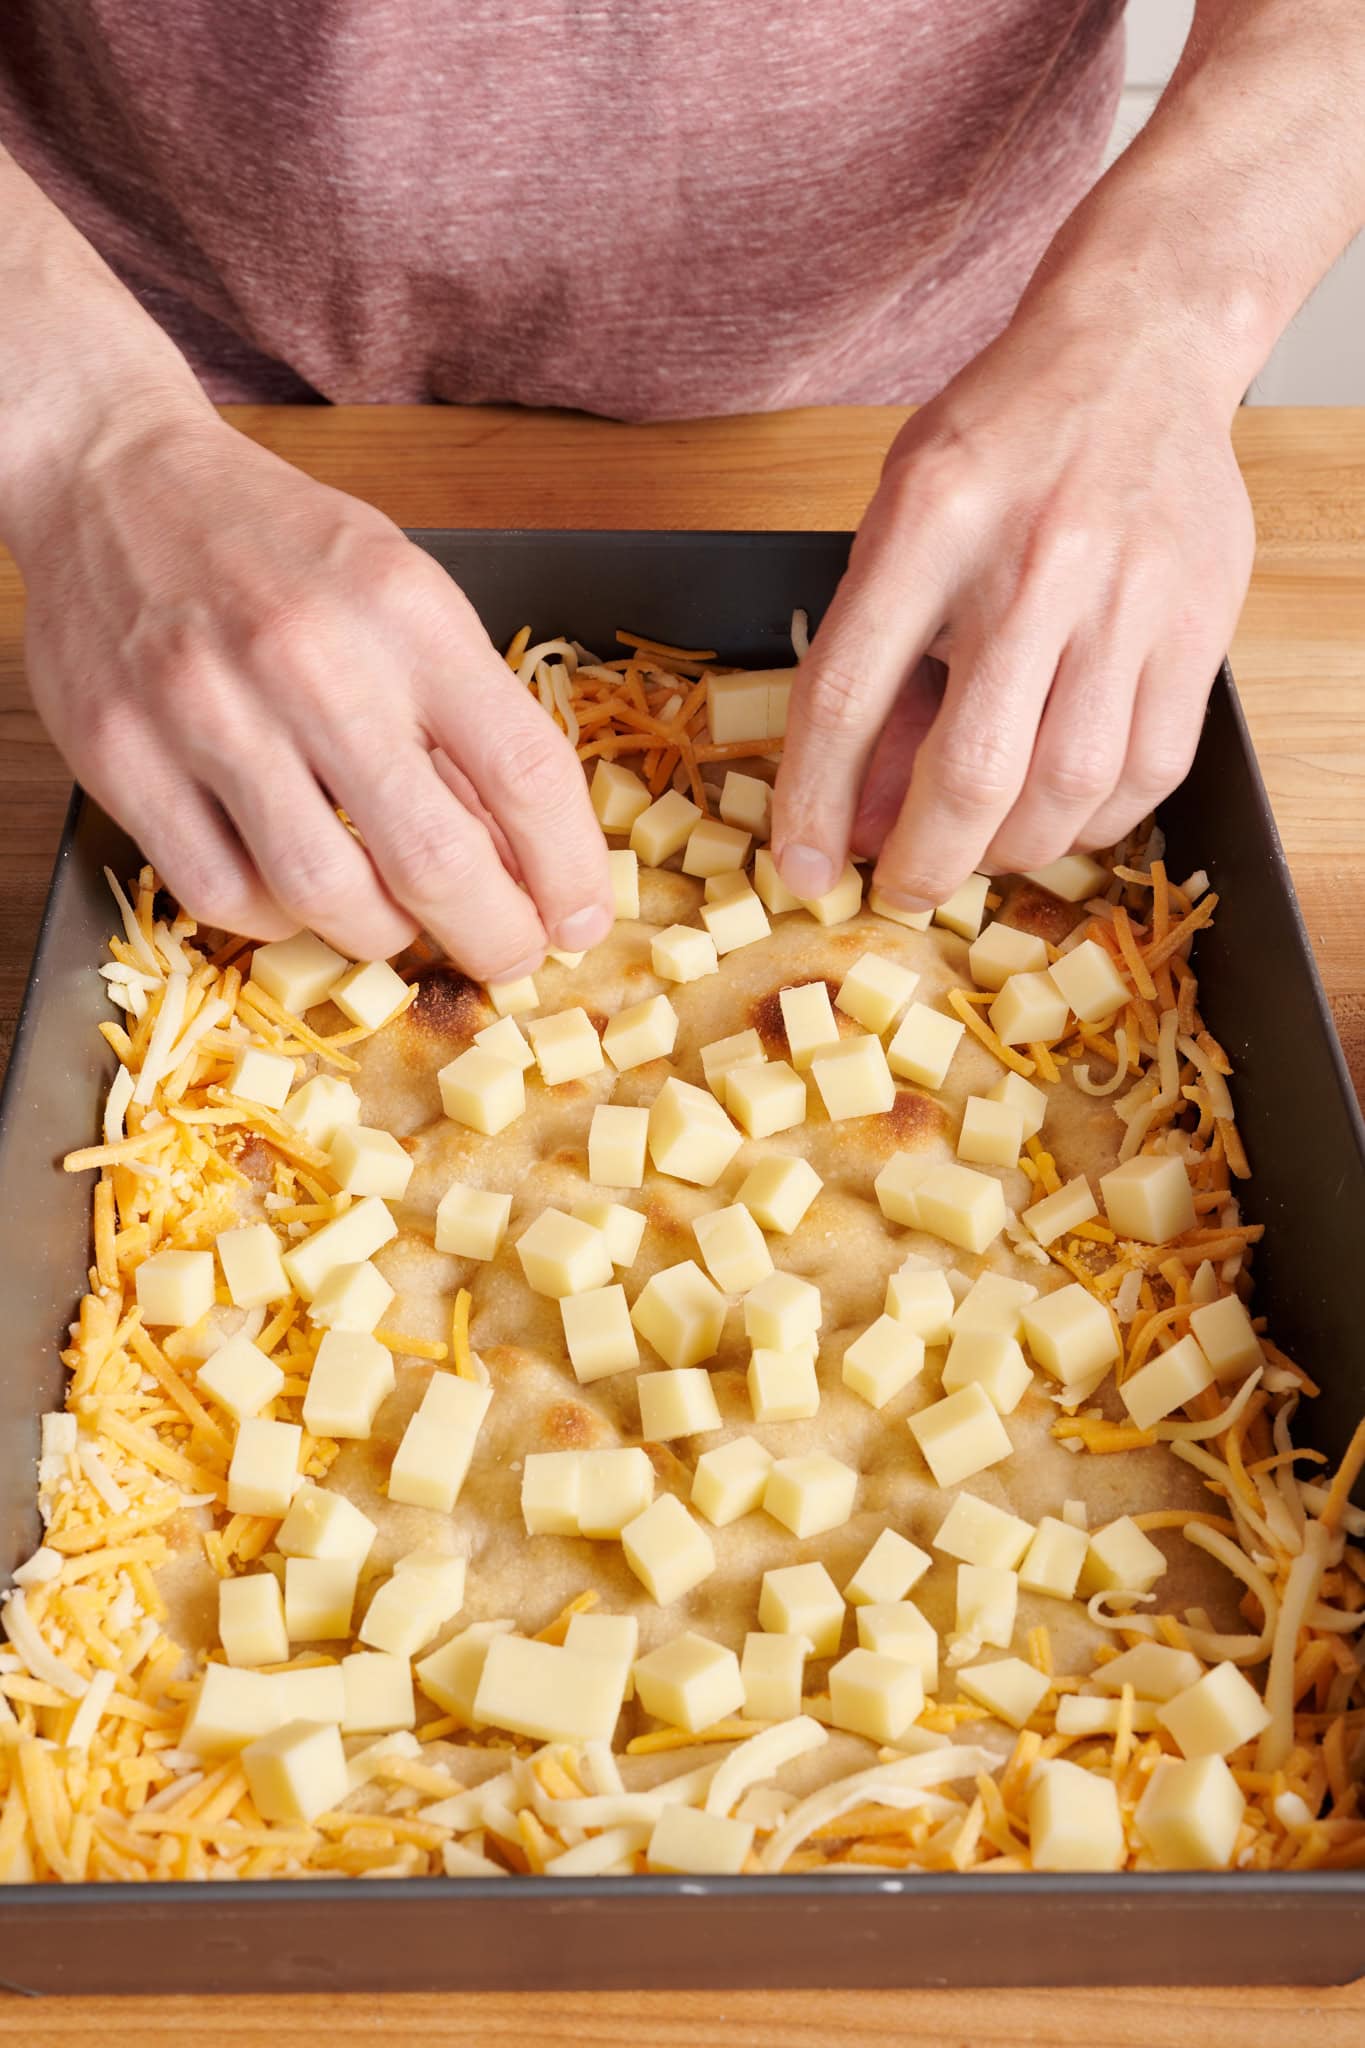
(669, 1467)
(448, 1004)
(569, 1427)
(914, 1119)
(1031, 909)
(662, 1219)
(599, 1021)
(570, 1155)
(255, 1159)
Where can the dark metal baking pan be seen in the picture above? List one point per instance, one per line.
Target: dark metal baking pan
(1304, 1134)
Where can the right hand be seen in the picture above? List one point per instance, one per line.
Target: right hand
(225, 651)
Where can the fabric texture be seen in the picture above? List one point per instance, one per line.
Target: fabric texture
(642, 208)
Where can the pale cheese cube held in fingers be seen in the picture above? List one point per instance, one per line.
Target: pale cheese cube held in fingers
(679, 1402)
(1074, 877)
(881, 906)
(623, 874)
(250, 1258)
(810, 1495)
(663, 828)
(1167, 1382)
(897, 1628)
(352, 1377)
(1053, 1216)
(992, 1361)
(174, 1288)
(566, 1046)
(263, 1474)
(746, 802)
(668, 1552)
(742, 1049)
(690, 1136)
(1021, 1094)
(682, 953)
(560, 1255)
(765, 1100)
(471, 1222)
(681, 1313)
(737, 707)
(714, 848)
(349, 1238)
(319, 1598)
(1120, 1557)
(264, 1077)
(251, 1620)
(296, 1772)
(991, 1133)
(733, 1248)
(514, 998)
(1073, 1817)
(802, 1600)
(778, 1191)
(962, 1206)
(690, 1682)
(622, 1227)
(551, 1492)
(1224, 1334)
(617, 1138)
(298, 972)
(782, 1385)
(1190, 1814)
(779, 701)
(924, 1044)
(873, 1695)
(892, 1566)
(728, 1482)
(772, 1669)
(882, 1361)
(841, 902)
(769, 887)
(481, 1091)
(240, 1378)
(616, 1488)
(320, 1107)
(808, 1021)
(854, 1079)
(975, 1531)
(875, 991)
(1070, 1333)
(987, 1604)
(783, 1312)
(920, 1298)
(618, 796)
(1149, 1198)
(965, 908)
(1008, 1688)
(1053, 1562)
(735, 920)
(1091, 983)
(1216, 1715)
(548, 1691)
(351, 1297)
(321, 1523)
(1030, 1009)
(960, 1435)
(727, 887)
(370, 1162)
(369, 994)
(1003, 950)
(646, 1031)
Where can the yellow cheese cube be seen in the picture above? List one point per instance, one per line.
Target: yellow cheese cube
(668, 1552)
(896, 1628)
(728, 1482)
(1091, 983)
(782, 1312)
(623, 874)
(320, 1107)
(1121, 1557)
(810, 1495)
(808, 1021)
(646, 1031)
(682, 953)
(782, 1385)
(370, 1162)
(802, 1600)
(923, 1047)
(1029, 1009)
(250, 1259)
(1216, 1715)
(994, 1302)
(690, 1136)
(743, 1049)
(240, 1378)
(617, 1137)
(354, 1235)
(841, 902)
(378, 1693)
(296, 1772)
(892, 1566)
(965, 908)
(514, 998)
(733, 1247)
(875, 991)
(735, 920)
(1166, 1382)
(450, 1676)
(506, 1041)
(681, 1313)
(616, 1488)
(298, 972)
(920, 1298)
(174, 1288)
(779, 1190)
(312, 1693)
(987, 1604)
(676, 1403)
(977, 1532)
(771, 890)
(962, 1206)
(1190, 1814)
(746, 802)
(771, 1670)
(1008, 1688)
(779, 701)
(1224, 1334)
(352, 1377)
(714, 848)
(251, 1620)
(319, 1596)
(551, 1492)
(767, 1099)
(559, 1255)
(737, 706)
(351, 1297)
(1149, 1198)
(1073, 1818)
(614, 1639)
(913, 920)
(1031, 1102)
(992, 1361)
(598, 1333)
(1074, 877)
(1053, 1561)
(727, 887)
(621, 1226)
(663, 828)
(1072, 1205)
(409, 1608)
(991, 1133)
(264, 1077)
(566, 1046)
(1003, 950)
(264, 1470)
(325, 1524)
(231, 1708)
(854, 1079)
(481, 1091)
(369, 994)
(690, 1682)
(1154, 1670)
(1070, 1333)
(882, 1361)
(960, 1435)
(618, 797)
(879, 1697)
(430, 1465)
(471, 1222)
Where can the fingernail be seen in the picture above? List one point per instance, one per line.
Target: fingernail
(806, 871)
(522, 968)
(575, 934)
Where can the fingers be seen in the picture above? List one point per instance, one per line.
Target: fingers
(198, 856)
(464, 792)
(893, 758)
(1168, 716)
(1077, 758)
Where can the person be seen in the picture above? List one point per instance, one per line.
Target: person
(647, 209)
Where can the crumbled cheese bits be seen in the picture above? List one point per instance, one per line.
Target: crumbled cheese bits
(364, 1709)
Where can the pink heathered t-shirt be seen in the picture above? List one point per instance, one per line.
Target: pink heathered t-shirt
(644, 208)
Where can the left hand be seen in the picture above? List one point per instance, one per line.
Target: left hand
(1065, 530)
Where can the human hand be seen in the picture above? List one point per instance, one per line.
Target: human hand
(226, 650)
(1065, 530)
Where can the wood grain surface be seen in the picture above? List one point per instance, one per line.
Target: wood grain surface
(1299, 658)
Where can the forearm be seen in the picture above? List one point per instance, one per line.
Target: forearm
(1245, 186)
(80, 362)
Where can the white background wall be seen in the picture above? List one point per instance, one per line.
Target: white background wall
(1321, 360)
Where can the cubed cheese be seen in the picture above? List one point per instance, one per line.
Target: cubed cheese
(1190, 1814)
(551, 1492)
(960, 1205)
(622, 1227)
(767, 1099)
(875, 991)
(614, 1639)
(992, 1361)
(1073, 1817)
(1002, 950)
(808, 1021)
(616, 1488)
(772, 1669)
(252, 1268)
(264, 1470)
(231, 1708)
(1030, 1009)
(779, 1190)
(1119, 1557)
(174, 1288)
(728, 1481)
(802, 1600)
(743, 1049)
(646, 1031)
(1074, 877)
(379, 1693)
(298, 972)
(321, 1523)
(681, 1313)
(1091, 983)
(991, 1133)
(854, 1079)
(987, 1603)
(882, 1361)
(598, 1334)
(676, 1403)
(1053, 1561)
(369, 994)
(690, 1136)
(746, 802)
(296, 1772)
(1149, 1198)
(548, 1691)
(1008, 1688)
(782, 1385)
(352, 1377)
(994, 1302)
(320, 1107)
(896, 1628)
(919, 1297)
(737, 707)
(514, 998)
(623, 874)
(482, 1091)
(319, 1598)
(668, 1552)
(264, 1077)
(663, 828)
(370, 1162)
(873, 1695)
(430, 1465)
(618, 796)
(682, 953)
(881, 906)
(965, 908)
(1155, 1671)
(892, 1566)
(471, 1222)
(975, 1531)
(811, 1494)
(690, 1682)
(1070, 1333)
(1224, 1334)
(354, 1235)
(782, 1312)
(1072, 1205)
(617, 1138)
(924, 1044)
(714, 848)
(1216, 1715)
(240, 1378)
(733, 1248)
(251, 1620)
(351, 1297)
(960, 1435)
(769, 886)
(560, 1255)
(1031, 1102)
(1166, 1382)
(566, 1046)
(841, 902)
(450, 1676)
(734, 920)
